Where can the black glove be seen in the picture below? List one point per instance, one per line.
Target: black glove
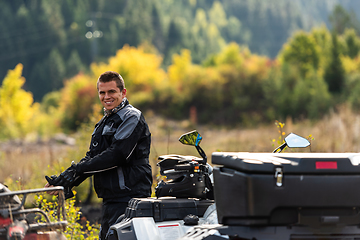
(65, 179)
(51, 179)
(68, 193)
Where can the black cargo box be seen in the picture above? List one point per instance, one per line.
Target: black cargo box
(166, 208)
(310, 189)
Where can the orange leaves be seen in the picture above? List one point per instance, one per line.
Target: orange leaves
(257, 66)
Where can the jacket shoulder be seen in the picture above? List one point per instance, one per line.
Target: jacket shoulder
(129, 111)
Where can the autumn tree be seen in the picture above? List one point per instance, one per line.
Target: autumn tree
(17, 106)
(140, 68)
(78, 98)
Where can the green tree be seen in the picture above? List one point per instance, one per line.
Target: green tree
(353, 91)
(205, 36)
(322, 38)
(57, 70)
(340, 19)
(352, 43)
(315, 96)
(287, 94)
(175, 38)
(279, 91)
(302, 51)
(138, 16)
(74, 64)
(158, 39)
(334, 72)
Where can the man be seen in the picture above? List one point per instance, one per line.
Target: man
(118, 156)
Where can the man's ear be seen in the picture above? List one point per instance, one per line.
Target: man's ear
(124, 92)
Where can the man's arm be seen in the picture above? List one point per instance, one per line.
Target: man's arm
(77, 179)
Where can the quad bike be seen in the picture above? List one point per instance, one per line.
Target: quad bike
(18, 222)
(272, 196)
(183, 201)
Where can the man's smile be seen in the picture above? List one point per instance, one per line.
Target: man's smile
(110, 95)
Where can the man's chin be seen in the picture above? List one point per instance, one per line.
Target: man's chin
(108, 107)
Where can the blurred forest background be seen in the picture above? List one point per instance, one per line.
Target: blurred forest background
(229, 68)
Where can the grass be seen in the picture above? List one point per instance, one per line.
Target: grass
(24, 165)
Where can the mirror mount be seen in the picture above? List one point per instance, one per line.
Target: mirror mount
(280, 148)
(202, 154)
(293, 141)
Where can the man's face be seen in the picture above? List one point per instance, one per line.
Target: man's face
(110, 95)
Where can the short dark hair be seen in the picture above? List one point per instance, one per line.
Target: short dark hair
(109, 76)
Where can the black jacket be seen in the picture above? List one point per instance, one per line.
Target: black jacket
(118, 156)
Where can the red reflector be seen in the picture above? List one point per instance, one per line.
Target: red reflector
(326, 165)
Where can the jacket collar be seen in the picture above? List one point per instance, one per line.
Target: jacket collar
(123, 103)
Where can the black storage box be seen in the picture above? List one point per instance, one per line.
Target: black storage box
(309, 189)
(166, 208)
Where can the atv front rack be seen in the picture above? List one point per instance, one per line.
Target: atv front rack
(11, 207)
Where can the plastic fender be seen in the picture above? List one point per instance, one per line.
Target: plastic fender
(140, 228)
(144, 227)
(171, 230)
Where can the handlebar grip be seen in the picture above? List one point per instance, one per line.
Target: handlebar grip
(183, 167)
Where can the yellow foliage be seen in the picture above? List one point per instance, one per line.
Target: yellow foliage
(16, 106)
(208, 78)
(77, 99)
(257, 65)
(189, 82)
(141, 70)
(350, 65)
(186, 79)
(177, 72)
(231, 55)
(68, 93)
(47, 124)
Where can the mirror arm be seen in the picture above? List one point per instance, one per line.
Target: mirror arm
(202, 153)
(280, 148)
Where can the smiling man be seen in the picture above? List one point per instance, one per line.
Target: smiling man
(118, 156)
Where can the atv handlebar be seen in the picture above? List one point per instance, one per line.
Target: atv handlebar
(183, 167)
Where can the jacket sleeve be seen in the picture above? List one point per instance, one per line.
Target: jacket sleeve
(82, 177)
(124, 142)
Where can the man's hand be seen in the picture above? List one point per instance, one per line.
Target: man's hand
(65, 179)
(67, 191)
(48, 185)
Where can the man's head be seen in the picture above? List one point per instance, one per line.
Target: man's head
(111, 89)
(112, 76)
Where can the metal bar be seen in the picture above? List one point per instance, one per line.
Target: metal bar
(37, 190)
